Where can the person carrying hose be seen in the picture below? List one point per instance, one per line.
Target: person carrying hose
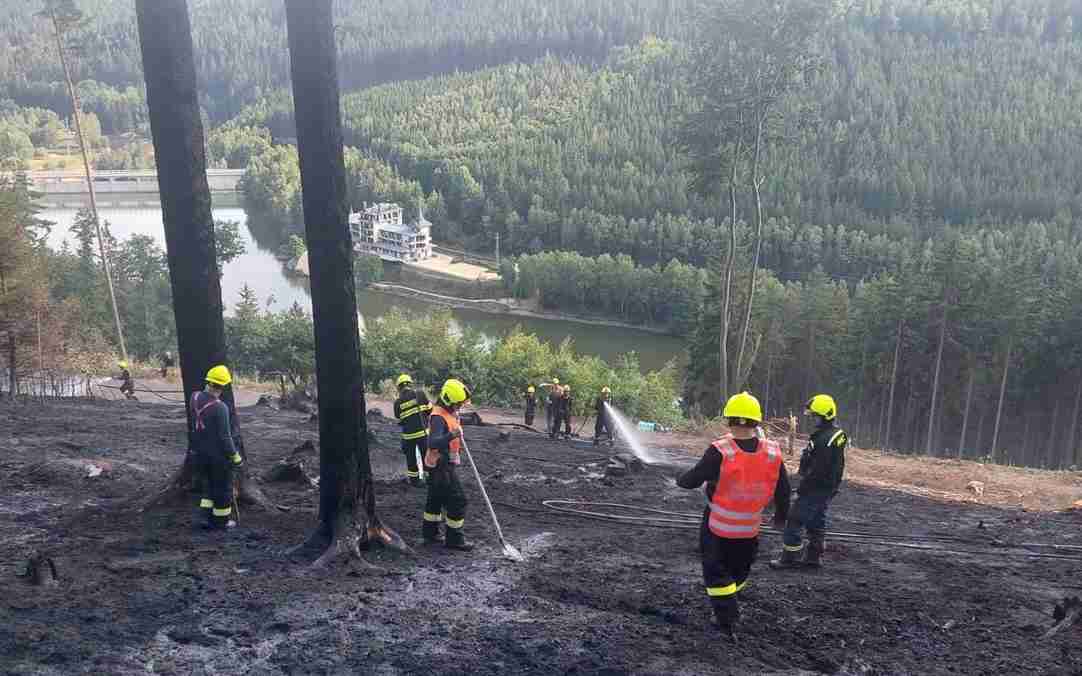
(821, 468)
(216, 455)
(127, 385)
(411, 410)
(446, 498)
(749, 473)
(531, 405)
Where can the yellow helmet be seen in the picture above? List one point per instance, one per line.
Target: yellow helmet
(567, 389)
(606, 390)
(822, 405)
(743, 405)
(454, 392)
(219, 375)
(555, 381)
(404, 379)
(530, 390)
(122, 364)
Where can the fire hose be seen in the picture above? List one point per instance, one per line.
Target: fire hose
(658, 518)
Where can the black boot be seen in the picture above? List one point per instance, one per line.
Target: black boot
(726, 614)
(416, 482)
(790, 558)
(430, 533)
(456, 540)
(814, 551)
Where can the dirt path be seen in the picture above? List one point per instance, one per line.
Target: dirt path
(147, 593)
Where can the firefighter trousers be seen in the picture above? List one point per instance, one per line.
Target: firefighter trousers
(410, 448)
(726, 565)
(446, 501)
(216, 502)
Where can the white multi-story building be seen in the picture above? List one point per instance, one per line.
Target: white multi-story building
(378, 230)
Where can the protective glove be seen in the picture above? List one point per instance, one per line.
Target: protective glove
(237, 459)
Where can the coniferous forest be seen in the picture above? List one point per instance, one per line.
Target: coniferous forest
(921, 251)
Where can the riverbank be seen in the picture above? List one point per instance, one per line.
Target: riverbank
(492, 306)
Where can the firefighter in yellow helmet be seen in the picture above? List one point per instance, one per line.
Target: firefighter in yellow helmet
(602, 421)
(531, 405)
(446, 499)
(216, 454)
(743, 474)
(127, 385)
(822, 465)
(411, 410)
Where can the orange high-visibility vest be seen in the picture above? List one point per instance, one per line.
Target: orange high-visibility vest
(432, 456)
(745, 486)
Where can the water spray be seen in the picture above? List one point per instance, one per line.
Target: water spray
(629, 433)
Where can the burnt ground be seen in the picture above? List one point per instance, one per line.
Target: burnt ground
(144, 592)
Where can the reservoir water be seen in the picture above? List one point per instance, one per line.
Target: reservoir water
(263, 273)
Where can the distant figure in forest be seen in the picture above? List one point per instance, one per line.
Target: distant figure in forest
(127, 385)
(531, 405)
(167, 363)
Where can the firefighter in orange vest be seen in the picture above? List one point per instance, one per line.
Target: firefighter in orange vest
(748, 472)
(446, 500)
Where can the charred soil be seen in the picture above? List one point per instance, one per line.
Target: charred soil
(147, 592)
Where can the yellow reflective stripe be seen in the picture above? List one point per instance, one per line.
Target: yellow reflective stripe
(794, 548)
(409, 436)
(226, 511)
(425, 407)
(727, 590)
(455, 523)
(206, 503)
(412, 475)
(407, 413)
(433, 518)
(834, 438)
(740, 587)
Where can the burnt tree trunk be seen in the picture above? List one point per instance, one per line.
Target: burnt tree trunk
(1072, 438)
(172, 99)
(930, 432)
(1002, 396)
(347, 500)
(893, 384)
(965, 416)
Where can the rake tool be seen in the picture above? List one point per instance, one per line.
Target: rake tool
(508, 550)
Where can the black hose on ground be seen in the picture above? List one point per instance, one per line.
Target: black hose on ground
(683, 520)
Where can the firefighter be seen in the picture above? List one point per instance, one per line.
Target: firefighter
(749, 473)
(216, 454)
(822, 465)
(167, 363)
(127, 385)
(446, 500)
(411, 410)
(602, 422)
(562, 413)
(531, 405)
(551, 406)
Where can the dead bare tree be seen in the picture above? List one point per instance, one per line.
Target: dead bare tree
(64, 15)
(347, 499)
(172, 99)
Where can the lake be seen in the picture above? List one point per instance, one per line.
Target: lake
(263, 273)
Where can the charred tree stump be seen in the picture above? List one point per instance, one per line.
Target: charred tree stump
(1066, 615)
(347, 501)
(165, 37)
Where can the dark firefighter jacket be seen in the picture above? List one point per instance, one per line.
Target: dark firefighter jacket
(823, 462)
(411, 410)
(212, 435)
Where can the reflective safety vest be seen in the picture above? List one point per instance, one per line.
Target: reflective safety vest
(745, 486)
(454, 449)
